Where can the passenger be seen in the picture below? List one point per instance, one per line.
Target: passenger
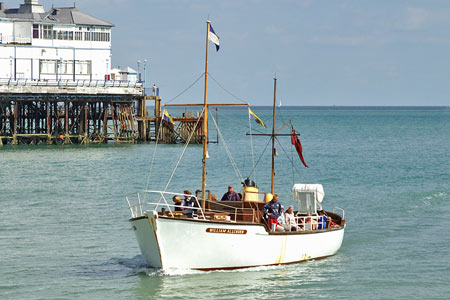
(291, 224)
(177, 202)
(272, 211)
(213, 197)
(189, 201)
(281, 220)
(308, 225)
(322, 220)
(332, 223)
(231, 195)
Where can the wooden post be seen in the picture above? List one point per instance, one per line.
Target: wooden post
(273, 133)
(205, 121)
(16, 112)
(66, 123)
(49, 136)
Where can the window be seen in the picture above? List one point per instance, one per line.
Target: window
(47, 67)
(70, 35)
(82, 67)
(64, 67)
(78, 36)
(47, 32)
(35, 31)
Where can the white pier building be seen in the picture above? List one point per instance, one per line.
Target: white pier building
(60, 44)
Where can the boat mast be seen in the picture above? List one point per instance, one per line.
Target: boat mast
(273, 131)
(205, 121)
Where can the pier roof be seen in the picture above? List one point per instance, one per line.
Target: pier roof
(62, 15)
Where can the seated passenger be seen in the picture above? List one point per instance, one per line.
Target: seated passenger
(177, 202)
(308, 222)
(281, 226)
(213, 197)
(332, 223)
(291, 224)
(189, 201)
(272, 211)
(231, 195)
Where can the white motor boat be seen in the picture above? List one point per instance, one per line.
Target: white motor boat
(205, 234)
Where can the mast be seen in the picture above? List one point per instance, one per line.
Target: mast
(273, 132)
(205, 121)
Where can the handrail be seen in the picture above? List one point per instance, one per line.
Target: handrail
(137, 208)
(341, 209)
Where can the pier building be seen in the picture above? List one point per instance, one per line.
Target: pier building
(56, 84)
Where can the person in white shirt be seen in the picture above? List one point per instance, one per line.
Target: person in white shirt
(291, 224)
(281, 226)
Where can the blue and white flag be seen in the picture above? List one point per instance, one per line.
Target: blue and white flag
(213, 37)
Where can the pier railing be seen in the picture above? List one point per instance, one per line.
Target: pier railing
(70, 83)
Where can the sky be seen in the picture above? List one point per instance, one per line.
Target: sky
(358, 52)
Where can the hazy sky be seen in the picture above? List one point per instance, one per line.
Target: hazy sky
(323, 52)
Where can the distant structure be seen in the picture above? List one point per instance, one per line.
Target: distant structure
(56, 82)
(59, 44)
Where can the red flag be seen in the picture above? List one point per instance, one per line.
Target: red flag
(298, 146)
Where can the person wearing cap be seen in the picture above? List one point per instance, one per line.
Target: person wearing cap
(291, 224)
(231, 195)
(272, 210)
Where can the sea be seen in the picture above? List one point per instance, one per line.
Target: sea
(65, 234)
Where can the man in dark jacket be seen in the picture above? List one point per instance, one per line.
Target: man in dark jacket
(272, 210)
(231, 195)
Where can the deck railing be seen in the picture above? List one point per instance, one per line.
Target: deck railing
(158, 201)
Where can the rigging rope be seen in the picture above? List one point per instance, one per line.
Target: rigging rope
(186, 89)
(227, 91)
(153, 158)
(260, 157)
(233, 163)
(184, 150)
(251, 145)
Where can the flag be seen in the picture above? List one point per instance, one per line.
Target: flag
(213, 37)
(167, 117)
(258, 120)
(298, 146)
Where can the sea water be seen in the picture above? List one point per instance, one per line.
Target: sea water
(64, 230)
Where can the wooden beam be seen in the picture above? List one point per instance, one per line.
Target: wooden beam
(218, 104)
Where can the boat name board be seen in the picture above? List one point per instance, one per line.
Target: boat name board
(226, 230)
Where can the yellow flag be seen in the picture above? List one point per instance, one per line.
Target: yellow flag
(253, 116)
(167, 117)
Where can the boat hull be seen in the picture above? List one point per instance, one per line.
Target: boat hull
(168, 243)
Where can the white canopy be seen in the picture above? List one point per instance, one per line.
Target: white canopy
(310, 188)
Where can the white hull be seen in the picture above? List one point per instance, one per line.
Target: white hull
(194, 244)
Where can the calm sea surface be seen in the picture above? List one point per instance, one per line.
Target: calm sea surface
(64, 231)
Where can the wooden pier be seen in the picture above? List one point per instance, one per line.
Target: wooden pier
(85, 112)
